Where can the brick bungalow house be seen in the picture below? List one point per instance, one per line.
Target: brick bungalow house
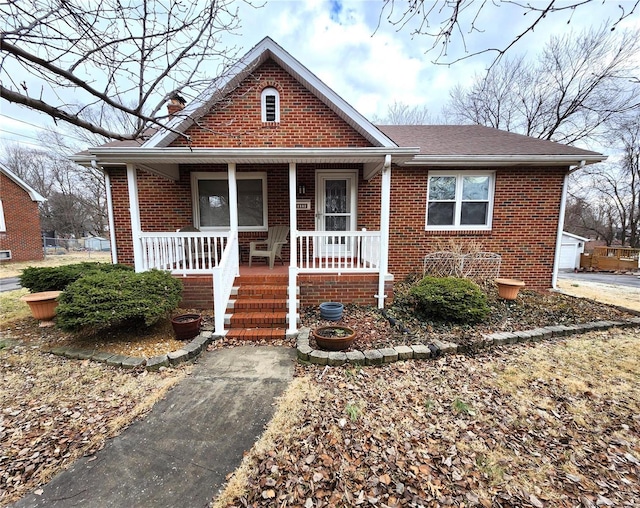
(270, 144)
(20, 234)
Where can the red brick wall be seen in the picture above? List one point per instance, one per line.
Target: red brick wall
(348, 288)
(23, 236)
(525, 222)
(314, 289)
(525, 215)
(305, 121)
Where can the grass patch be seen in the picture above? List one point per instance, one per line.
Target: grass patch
(11, 308)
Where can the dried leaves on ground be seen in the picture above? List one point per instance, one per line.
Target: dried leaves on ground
(54, 410)
(400, 325)
(546, 424)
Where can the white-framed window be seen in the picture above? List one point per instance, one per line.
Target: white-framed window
(3, 224)
(460, 200)
(211, 201)
(270, 101)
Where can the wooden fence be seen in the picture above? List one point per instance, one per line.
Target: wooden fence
(610, 259)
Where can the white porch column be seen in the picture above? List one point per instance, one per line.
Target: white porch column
(233, 197)
(134, 213)
(233, 201)
(385, 213)
(293, 260)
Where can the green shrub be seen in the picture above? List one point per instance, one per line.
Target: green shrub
(108, 299)
(57, 278)
(450, 299)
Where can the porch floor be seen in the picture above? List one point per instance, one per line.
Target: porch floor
(263, 269)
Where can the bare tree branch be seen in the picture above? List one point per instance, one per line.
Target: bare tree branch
(578, 84)
(126, 56)
(447, 21)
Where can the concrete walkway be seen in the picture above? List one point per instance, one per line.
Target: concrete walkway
(180, 454)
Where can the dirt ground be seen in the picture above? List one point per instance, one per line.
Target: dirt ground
(623, 296)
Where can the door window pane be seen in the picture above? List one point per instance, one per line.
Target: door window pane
(336, 196)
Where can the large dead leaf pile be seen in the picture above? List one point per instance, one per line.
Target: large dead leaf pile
(548, 424)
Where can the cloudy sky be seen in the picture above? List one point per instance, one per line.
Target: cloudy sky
(367, 60)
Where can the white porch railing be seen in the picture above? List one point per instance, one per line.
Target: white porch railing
(183, 253)
(338, 251)
(223, 276)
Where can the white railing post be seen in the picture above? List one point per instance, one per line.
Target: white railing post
(293, 255)
(223, 276)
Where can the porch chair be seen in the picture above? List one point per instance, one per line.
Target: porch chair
(276, 238)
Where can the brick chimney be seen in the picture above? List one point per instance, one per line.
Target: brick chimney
(176, 103)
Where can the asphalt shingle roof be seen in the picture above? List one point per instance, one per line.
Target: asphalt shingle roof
(473, 140)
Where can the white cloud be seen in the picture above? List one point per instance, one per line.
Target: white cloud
(337, 40)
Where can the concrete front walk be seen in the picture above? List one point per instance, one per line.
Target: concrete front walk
(180, 454)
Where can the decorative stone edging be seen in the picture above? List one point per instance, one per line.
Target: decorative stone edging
(186, 353)
(438, 347)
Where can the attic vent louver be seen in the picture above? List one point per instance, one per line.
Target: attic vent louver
(270, 105)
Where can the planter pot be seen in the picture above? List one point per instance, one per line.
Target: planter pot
(333, 337)
(331, 311)
(508, 288)
(186, 326)
(43, 306)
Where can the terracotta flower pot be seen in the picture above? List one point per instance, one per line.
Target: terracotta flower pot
(186, 326)
(509, 288)
(43, 305)
(334, 337)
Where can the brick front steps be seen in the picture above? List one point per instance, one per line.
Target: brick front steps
(258, 308)
(438, 347)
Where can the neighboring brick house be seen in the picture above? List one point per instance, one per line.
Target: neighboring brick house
(20, 234)
(270, 144)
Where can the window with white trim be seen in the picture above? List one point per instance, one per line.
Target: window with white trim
(211, 197)
(3, 224)
(459, 200)
(270, 100)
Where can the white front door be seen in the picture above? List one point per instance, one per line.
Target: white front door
(336, 199)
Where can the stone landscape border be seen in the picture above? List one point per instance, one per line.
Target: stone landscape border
(306, 353)
(437, 347)
(187, 353)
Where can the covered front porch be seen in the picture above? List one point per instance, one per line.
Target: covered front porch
(335, 203)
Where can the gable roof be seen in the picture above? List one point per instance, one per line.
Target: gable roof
(483, 145)
(33, 194)
(264, 50)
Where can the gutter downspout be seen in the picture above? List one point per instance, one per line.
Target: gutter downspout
(112, 222)
(563, 207)
(385, 212)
